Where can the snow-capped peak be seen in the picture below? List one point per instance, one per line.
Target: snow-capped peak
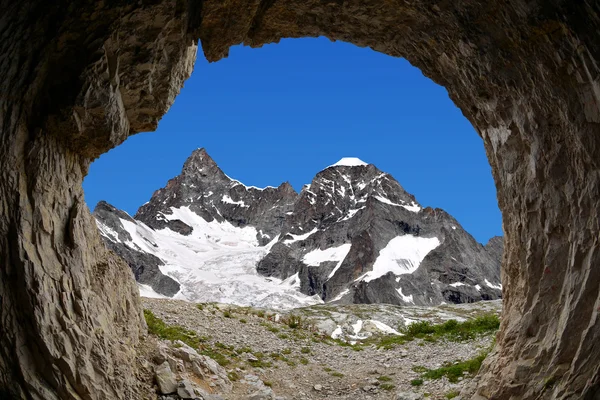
(349, 162)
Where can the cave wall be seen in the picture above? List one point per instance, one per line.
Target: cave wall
(77, 78)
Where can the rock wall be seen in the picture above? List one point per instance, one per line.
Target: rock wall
(78, 77)
(70, 311)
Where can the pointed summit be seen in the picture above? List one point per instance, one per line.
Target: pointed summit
(349, 162)
(199, 159)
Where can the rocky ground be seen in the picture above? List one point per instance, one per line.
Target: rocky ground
(266, 356)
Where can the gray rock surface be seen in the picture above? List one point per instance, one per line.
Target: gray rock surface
(145, 266)
(211, 194)
(165, 379)
(366, 208)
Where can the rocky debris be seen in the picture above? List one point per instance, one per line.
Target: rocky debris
(268, 359)
(408, 396)
(186, 390)
(179, 366)
(165, 379)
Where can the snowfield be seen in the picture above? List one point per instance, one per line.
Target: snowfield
(216, 263)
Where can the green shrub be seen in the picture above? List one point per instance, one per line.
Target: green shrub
(456, 370)
(416, 382)
(158, 327)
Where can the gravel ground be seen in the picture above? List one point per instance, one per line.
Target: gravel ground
(299, 365)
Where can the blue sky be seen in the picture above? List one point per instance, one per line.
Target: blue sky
(285, 111)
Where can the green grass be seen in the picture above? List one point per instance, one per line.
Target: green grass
(416, 382)
(305, 350)
(303, 361)
(387, 386)
(451, 330)
(384, 378)
(243, 321)
(453, 371)
(158, 327)
(337, 374)
(452, 394)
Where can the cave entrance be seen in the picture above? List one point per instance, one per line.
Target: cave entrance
(525, 74)
(282, 113)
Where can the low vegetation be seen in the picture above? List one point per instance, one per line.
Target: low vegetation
(451, 330)
(453, 371)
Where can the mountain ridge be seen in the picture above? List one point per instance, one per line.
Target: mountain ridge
(353, 235)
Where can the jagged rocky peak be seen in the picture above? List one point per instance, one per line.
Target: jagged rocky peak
(356, 235)
(353, 235)
(204, 189)
(344, 189)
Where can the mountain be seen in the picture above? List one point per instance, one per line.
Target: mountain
(353, 235)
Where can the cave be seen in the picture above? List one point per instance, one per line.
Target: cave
(79, 77)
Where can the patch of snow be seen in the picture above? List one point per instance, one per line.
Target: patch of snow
(412, 207)
(337, 332)
(229, 200)
(342, 294)
(498, 286)
(406, 299)
(292, 281)
(108, 232)
(402, 255)
(349, 162)
(478, 288)
(147, 291)
(296, 238)
(357, 327)
(457, 284)
(384, 328)
(454, 227)
(350, 214)
(318, 256)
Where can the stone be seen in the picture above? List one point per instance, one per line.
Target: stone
(408, 396)
(261, 394)
(185, 390)
(318, 388)
(165, 379)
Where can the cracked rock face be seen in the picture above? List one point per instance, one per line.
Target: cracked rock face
(77, 78)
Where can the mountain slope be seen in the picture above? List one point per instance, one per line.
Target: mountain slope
(353, 235)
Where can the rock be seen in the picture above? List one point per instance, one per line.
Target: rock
(524, 73)
(165, 379)
(318, 388)
(408, 396)
(262, 394)
(185, 390)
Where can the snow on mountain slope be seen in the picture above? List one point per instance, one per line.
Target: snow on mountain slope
(353, 235)
(349, 162)
(402, 255)
(216, 262)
